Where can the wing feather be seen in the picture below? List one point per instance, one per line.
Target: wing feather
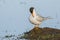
(39, 18)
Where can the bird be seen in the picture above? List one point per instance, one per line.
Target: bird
(35, 18)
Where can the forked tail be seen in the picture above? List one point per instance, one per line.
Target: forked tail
(46, 18)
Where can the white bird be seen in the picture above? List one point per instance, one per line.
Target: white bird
(35, 18)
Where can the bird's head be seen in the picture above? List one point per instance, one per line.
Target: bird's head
(31, 11)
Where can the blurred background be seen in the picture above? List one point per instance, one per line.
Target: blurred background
(14, 15)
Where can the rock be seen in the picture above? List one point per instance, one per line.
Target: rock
(42, 34)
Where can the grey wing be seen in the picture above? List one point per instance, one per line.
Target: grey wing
(40, 18)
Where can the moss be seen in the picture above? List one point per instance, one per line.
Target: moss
(42, 34)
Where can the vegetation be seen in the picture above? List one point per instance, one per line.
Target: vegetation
(36, 34)
(42, 34)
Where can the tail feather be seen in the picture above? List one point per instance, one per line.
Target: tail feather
(46, 18)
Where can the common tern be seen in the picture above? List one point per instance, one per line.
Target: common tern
(35, 18)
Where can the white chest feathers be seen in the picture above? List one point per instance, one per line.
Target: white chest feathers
(35, 20)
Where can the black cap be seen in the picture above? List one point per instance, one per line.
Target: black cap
(31, 9)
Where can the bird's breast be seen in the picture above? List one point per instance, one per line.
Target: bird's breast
(33, 20)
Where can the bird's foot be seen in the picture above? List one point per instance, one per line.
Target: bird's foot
(36, 28)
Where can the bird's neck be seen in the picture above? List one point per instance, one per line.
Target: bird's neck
(34, 13)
